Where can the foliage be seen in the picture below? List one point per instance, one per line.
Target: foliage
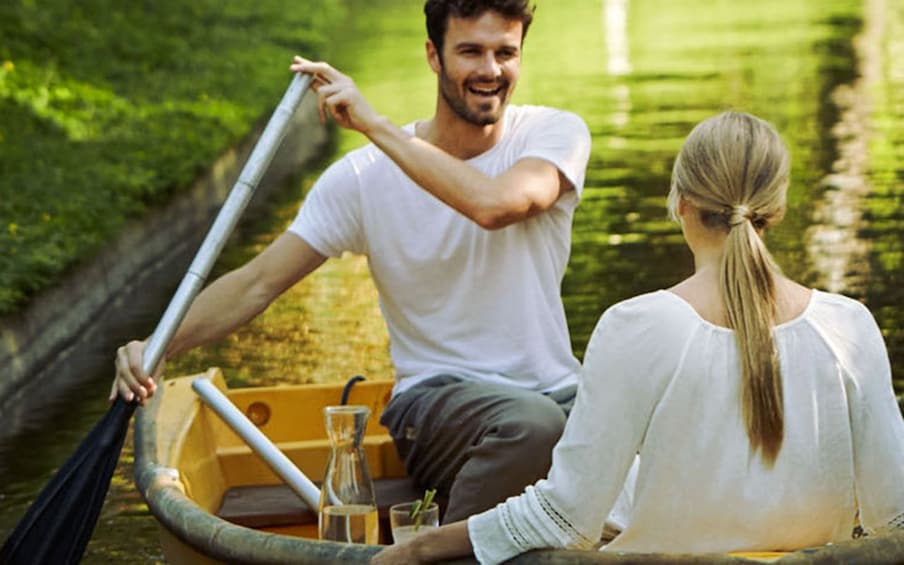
(420, 505)
(108, 107)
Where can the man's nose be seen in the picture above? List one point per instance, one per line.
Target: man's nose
(489, 65)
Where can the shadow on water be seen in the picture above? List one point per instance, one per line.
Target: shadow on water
(827, 73)
(53, 426)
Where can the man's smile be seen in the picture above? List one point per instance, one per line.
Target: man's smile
(486, 90)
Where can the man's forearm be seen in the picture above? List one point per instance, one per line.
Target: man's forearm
(227, 304)
(238, 296)
(489, 201)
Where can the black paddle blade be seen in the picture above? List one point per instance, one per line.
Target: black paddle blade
(58, 524)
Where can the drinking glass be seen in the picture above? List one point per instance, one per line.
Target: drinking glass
(405, 526)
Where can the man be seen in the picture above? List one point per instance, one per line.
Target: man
(465, 219)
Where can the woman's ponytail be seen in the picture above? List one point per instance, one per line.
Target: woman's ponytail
(734, 169)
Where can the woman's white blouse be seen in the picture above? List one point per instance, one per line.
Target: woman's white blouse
(660, 381)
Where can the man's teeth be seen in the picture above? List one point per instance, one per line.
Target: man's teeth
(485, 92)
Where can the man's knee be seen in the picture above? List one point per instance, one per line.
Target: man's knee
(514, 451)
(531, 426)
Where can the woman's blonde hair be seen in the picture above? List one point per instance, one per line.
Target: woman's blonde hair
(734, 169)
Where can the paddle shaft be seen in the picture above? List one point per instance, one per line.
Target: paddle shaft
(258, 442)
(225, 222)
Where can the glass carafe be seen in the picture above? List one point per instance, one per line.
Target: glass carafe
(348, 508)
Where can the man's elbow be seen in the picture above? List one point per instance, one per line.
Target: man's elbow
(500, 216)
(255, 291)
(492, 220)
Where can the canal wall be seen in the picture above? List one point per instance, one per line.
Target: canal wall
(69, 332)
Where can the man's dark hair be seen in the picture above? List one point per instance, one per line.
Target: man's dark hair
(438, 13)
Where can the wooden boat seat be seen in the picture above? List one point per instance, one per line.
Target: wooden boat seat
(267, 506)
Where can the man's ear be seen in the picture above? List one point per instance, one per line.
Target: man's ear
(433, 58)
(682, 206)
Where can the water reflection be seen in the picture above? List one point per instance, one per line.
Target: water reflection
(884, 209)
(837, 252)
(828, 73)
(615, 30)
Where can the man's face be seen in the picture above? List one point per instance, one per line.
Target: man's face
(480, 64)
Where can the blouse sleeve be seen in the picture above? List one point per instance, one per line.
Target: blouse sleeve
(617, 394)
(878, 431)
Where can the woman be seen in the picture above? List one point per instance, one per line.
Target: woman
(763, 411)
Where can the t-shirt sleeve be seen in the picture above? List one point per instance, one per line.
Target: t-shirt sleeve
(329, 219)
(563, 139)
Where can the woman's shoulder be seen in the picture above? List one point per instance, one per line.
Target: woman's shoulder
(645, 336)
(654, 300)
(849, 329)
(838, 310)
(659, 311)
(833, 299)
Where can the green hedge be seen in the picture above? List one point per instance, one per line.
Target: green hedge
(108, 106)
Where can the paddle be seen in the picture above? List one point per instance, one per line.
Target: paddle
(57, 526)
(259, 443)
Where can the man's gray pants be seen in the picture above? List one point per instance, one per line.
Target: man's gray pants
(479, 443)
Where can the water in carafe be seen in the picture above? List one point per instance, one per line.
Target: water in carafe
(348, 508)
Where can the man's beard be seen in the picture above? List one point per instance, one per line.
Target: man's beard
(459, 105)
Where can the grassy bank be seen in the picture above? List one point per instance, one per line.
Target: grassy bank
(108, 107)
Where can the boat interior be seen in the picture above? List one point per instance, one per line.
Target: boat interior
(222, 474)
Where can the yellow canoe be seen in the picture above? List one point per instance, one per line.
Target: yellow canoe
(218, 502)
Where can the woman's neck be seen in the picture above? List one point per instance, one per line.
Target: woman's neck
(703, 292)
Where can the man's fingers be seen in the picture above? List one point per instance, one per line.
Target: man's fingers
(338, 96)
(124, 368)
(135, 360)
(334, 88)
(128, 394)
(130, 378)
(121, 388)
(322, 72)
(332, 103)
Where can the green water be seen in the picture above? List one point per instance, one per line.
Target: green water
(828, 73)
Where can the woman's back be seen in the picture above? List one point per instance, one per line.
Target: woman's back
(700, 486)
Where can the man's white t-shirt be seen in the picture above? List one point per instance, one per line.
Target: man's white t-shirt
(459, 299)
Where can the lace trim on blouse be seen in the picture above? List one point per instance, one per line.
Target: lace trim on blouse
(514, 532)
(896, 523)
(562, 526)
(561, 521)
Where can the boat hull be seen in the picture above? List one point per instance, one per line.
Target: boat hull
(186, 460)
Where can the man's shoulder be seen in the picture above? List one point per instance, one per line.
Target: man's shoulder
(370, 154)
(366, 159)
(529, 117)
(539, 112)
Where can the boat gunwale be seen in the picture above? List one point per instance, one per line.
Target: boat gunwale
(223, 540)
